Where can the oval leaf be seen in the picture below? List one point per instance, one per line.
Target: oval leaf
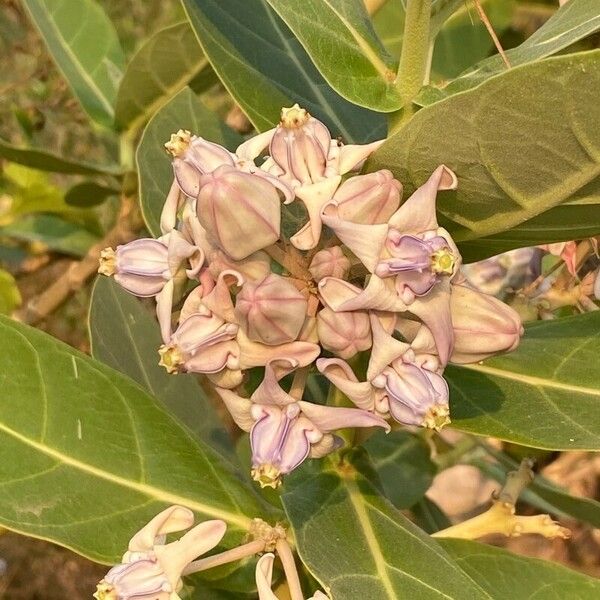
(511, 165)
(164, 65)
(72, 30)
(264, 67)
(335, 30)
(543, 395)
(78, 452)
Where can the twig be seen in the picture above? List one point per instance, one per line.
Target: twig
(289, 567)
(249, 549)
(78, 273)
(488, 26)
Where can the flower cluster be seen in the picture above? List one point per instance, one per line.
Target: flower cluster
(365, 276)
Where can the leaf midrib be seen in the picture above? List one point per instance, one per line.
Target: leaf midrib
(149, 490)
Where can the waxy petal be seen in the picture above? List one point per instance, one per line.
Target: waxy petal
(168, 215)
(351, 156)
(330, 418)
(417, 214)
(269, 391)
(253, 147)
(239, 408)
(264, 577)
(385, 350)
(341, 375)
(170, 520)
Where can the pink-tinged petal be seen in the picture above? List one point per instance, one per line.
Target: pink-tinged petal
(168, 215)
(385, 349)
(434, 310)
(214, 358)
(269, 391)
(239, 408)
(567, 251)
(319, 596)
(341, 375)
(330, 418)
(264, 577)
(146, 257)
(187, 177)
(219, 299)
(314, 197)
(352, 156)
(254, 146)
(193, 303)
(179, 249)
(379, 294)
(164, 308)
(295, 451)
(174, 557)
(344, 333)
(368, 199)
(256, 266)
(172, 519)
(254, 354)
(365, 241)
(329, 443)
(597, 285)
(143, 286)
(228, 378)
(329, 262)
(417, 214)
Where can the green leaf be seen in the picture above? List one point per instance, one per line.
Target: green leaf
(84, 44)
(125, 336)
(429, 516)
(88, 193)
(10, 297)
(359, 546)
(340, 30)
(264, 67)
(402, 461)
(44, 160)
(184, 111)
(507, 576)
(163, 66)
(55, 232)
(543, 395)
(87, 456)
(574, 21)
(511, 165)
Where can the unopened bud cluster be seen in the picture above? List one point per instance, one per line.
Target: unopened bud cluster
(365, 276)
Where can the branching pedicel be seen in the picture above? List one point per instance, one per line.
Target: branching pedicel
(380, 276)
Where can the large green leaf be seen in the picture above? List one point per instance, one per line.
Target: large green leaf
(511, 165)
(55, 232)
(87, 456)
(184, 111)
(507, 576)
(85, 46)
(359, 546)
(402, 461)
(125, 336)
(44, 160)
(264, 68)
(574, 21)
(543, 395)
(332, 31)
(164, 65)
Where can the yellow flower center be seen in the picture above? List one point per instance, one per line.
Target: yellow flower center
(267, 476)
(437, 417)
(294, 117)
(108, 262)
(105, 591)
(178, 143)
(171, 358)
(443, 261)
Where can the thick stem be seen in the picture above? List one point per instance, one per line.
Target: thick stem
(289, 567)
(249, 549)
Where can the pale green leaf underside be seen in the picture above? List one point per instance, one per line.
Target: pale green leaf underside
(507, 576)
(511, 165)
(359, 546)
(264, 68)
(164, 65)
(340, 39)
(544, 395)
(85, 46)
(184, 111)
(79, 452)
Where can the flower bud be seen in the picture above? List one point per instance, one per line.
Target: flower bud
(368, 199)
(141, 266)
(192, 157)
(483, 325)
(143, 579)
(271, 310)
(344, 333)
(330, 262)
(300, 146)
(240, 211)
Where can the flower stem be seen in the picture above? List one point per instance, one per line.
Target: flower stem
(289, 566)
(249, 549)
